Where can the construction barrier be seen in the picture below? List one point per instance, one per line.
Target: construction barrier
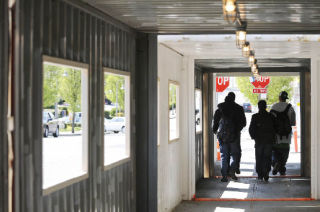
(218, 151)
(295, 137)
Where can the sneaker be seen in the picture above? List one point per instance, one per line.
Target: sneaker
(224, 179)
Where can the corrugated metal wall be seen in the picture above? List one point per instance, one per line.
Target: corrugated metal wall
(199, 136)
(76, 32)
(4, 42)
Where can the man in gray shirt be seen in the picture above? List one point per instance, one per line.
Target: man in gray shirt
(281, 149)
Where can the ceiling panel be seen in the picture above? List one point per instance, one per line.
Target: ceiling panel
(205, 16)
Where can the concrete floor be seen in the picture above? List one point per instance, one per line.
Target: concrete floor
(251, 188)
(248, 206)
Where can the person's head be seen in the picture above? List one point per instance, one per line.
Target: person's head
(231, 96)
(283, 96)
(262, 105)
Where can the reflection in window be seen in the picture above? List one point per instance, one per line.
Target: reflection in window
(173, 111)
(64, 123)
(116, 116)
(198, 110)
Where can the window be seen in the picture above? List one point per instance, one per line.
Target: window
(64, 123)
(116, 116)
(198, 110)
(173, 111)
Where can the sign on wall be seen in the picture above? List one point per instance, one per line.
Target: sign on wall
(222, 83)
(260, 82)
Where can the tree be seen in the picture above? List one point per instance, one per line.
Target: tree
(114, 90)
(276, 85)
(71, 91)
(51, 83)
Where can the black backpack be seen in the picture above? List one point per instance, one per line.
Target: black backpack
(282, 122)
(226, 130)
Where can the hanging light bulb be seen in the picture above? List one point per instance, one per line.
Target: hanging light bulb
(251, 58)
(241, 33)
(246, 49)
(229, 10)
(254, 69)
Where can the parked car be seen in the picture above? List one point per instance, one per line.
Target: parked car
(247, 108)
(116, 124)
(50, 125)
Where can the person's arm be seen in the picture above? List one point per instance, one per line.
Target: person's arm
(216, 119)
(292, 116)
(243, 120)
(252, 127)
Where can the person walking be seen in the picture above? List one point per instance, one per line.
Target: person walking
(285, 118)
(228, 121)
(262, 130)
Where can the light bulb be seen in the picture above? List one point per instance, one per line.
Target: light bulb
(230, 6)
(242, 35)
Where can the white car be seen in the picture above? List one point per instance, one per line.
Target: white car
(116, 124)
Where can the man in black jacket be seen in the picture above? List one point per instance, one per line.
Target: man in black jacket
(228, 121)
(262, 130)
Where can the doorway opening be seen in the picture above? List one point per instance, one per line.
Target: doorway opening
(295, 184)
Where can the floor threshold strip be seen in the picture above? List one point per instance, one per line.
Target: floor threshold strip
(281, 176)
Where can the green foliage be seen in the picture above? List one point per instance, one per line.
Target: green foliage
(114, 89)
(276, 85)
(107, 114)
(71, 89)
(114, 113)
(172, 96)
(51, 82)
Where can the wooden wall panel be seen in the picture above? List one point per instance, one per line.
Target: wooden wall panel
(4, 60)
(74, 31)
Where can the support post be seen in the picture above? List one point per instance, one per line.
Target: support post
(146, 123)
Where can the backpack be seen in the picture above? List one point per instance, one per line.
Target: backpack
(226, 130)
(282, 122)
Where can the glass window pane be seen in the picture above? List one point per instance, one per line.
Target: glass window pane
(173, 111)
(64, 126)
(116, 117)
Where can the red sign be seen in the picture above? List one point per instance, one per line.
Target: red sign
(259, 90)
(222, 83)
(260, 82)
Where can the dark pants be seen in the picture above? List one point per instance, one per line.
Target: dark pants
(280, 154)
(229, 151)
(263, 159)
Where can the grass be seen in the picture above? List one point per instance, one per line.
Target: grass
(69, 128)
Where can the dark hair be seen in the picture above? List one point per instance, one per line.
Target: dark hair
(232, 96)
(262, 105)
(283, 95)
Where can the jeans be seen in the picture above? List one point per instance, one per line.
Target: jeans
(263, 159)
(230, 151)
(280, 154)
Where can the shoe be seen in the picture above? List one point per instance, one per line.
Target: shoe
(282, 173)
(266, 178)
(275, 169)
(260, 178)
(234, 177)
(238, 171)
(224, 179)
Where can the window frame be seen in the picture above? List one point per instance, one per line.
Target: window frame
(176, 83)
(128, 119)
(85, 135)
